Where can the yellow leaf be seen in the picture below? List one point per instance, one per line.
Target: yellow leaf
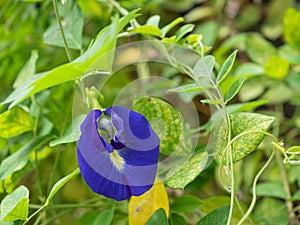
(142, 207)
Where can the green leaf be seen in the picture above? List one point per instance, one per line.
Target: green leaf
(296, 196)
(14, 122)
(72, 133)
(226, 67)
(203, 68)
(153, 20)
(18, 160)
(166, 122)
(147, 29)
(190, 88)
(244, 145)
(209, 60)
(28, 69)
(15, 205)
(234, 89)
(59, 184)
(218, 216)
(294, 150)
(271, 189)
(72, 26)
(249, 70)
(276, 67)
(171, 25)
(159, 217)
(180, 177)
(88, 218)
(241, 107)
(271, 211)
(92, 59)
(185, 203)
(105, 217)
(183, 31)
(212, 101)
(291, 28)
(258, 49)
(176, 219)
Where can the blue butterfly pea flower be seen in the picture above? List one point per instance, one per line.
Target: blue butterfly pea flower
(118, 152)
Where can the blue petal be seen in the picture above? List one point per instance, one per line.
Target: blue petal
(126, 166)
(103, 186)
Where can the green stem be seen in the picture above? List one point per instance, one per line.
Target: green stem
(286, 186)
(251, 207)
(67, 49)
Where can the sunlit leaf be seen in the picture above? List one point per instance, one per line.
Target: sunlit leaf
(226, 67)
(212, 101)
(142, 207)
(276, 67)
(14, 122)
(180, 177)
(218, 216)
(15, 205)
(147, 29)
(244, 145)
(294, 150)
(92, 59)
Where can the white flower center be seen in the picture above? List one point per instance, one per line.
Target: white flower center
(117, 160)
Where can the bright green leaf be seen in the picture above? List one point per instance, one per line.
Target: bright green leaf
(15, 205)
(168, 27)
(276, 67)
(212, 101)
(147, 29)
(28, 69)
(180, 177)
(291, 28)
(105, 217)
(218, 216)
(183, 31)
(18, 160)
(185, 203)
(92, 59)
(249, 70)
(159, 217)
(294, 150)
(166, 122)
(234, 89)
(14, 122)
(226, 67)
(72, 26)
(72, 134)
(244, 145)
